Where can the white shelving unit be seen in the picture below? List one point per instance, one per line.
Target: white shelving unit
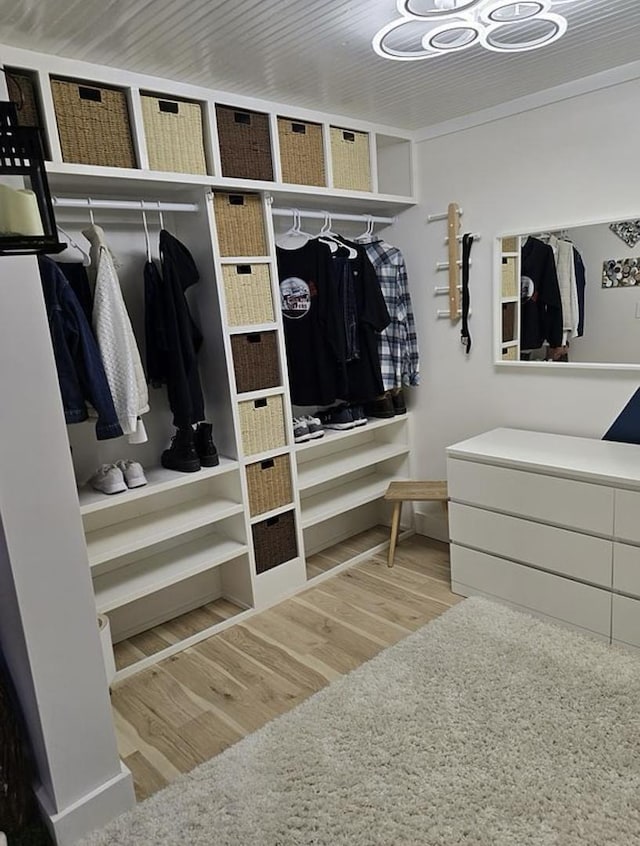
(185, 540)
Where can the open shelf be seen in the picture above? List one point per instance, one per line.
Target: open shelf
(158, 480)
(139, 532)
(156, 572)
(368, 542)
(333, 435)
(341, 498)
(325, 468)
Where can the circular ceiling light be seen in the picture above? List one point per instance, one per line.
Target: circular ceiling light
(451, 37)
(513, 37)
(430, 9)
(508, 11)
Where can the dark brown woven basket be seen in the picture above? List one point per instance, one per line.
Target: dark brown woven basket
(245, 143)
(269, 484)
(22, 92)
(255, 361)
(301, 152)
(93, 124)
(274, 541)
(508, 322)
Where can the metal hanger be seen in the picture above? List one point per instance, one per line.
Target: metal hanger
(146, 230)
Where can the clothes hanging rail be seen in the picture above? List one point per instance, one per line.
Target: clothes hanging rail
(321, 215)
(123, 205)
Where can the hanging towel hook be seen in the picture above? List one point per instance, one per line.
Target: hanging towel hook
(147, 240)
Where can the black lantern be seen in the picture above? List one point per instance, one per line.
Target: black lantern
(27, 224)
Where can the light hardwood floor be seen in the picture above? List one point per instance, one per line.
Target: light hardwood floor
(190, 707)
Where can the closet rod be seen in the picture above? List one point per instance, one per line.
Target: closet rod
(123, 205)
(320, 215)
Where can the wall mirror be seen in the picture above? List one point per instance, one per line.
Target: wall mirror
(569, 296)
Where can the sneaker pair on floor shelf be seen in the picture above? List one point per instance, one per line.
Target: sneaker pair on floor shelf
(307, 428)
(191, 449)
(118, 477)
(344, 416)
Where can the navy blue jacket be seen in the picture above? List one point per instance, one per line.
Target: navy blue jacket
(80, 370)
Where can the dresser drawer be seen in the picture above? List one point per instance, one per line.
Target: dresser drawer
(627, 516)
(565, 502)
(477, 573)
(626, 620)
(559, 550)
(626, 568)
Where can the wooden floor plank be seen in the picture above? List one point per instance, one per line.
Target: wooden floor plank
(193, 705)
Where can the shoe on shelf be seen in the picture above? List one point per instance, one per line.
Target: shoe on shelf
(359, 417)
(399, 405)
(301, 431)
(108, 479)
(132, 472)
(205, 447)
(182, 455)
(316, 429)
(381, 407)
(339, 417)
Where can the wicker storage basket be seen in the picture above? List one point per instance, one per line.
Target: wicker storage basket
(274, 541)
(269, 484)
(247, 291)
(301, 152)
(173, 130)
(510, 354)
(22, 92)
(262, 424)
(240, 225)
(245, 143)
(93, 124)
(510, 245)
(509, 282)
(508, 322)
(350, 159)
(255, 361)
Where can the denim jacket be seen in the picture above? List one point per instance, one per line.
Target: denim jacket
(80, 371)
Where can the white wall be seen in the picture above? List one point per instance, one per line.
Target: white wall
(559, 163)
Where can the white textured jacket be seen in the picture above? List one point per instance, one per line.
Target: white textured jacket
(116, 340)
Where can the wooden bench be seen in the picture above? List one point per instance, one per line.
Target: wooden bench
(399, 492)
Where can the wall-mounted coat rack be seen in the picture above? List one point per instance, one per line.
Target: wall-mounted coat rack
(454, 263)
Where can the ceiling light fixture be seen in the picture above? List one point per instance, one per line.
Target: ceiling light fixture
(428, 28)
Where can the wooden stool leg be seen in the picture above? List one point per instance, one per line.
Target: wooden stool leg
(395, 526)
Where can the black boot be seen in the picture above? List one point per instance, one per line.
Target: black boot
(182, 454)
(205, 446)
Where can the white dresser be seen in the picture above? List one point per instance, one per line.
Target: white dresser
(549, 524)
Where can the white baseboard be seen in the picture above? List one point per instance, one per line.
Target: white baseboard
(432, 526)
(90, 812)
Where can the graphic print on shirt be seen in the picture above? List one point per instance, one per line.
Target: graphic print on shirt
(295, 297)
(527, 289)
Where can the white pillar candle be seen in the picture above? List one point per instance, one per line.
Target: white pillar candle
(24, 214)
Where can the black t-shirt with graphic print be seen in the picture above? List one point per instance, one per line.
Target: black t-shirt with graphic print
(313, 333)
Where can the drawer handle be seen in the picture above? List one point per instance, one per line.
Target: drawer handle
(260, 403)
(168, 106)
(242, 117)
(267, 464)
(236, 199)
(243, 269)
(272, 521)
(349, 136)
(299, 127)
(254, 338)
(93, 94)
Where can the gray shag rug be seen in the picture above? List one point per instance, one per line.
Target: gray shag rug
(486, 727)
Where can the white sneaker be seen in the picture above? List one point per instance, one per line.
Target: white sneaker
(108, 479)
(132, 472)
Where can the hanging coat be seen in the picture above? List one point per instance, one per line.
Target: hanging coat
(117, 342)
(176, 338)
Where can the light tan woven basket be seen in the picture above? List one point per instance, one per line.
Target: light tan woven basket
(93, 124)
(510, 245)
(262, 424)
(269, 484)
(301, 152)
(247, 291)
(350, 159)
(510, 354)
(240, 224)
(509, 282)
(173, 130)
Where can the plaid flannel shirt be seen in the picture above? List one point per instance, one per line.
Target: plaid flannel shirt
(398, 343)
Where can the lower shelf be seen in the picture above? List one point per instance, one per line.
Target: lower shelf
(341, 498)
(340, 553)
(169, 637)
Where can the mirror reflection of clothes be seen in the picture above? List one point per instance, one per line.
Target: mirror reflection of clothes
(541, 306)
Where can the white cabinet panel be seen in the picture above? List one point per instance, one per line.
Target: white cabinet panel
(626, 620)
(554, 596)
(567, 553)
(576, 505)
(626, 568)
(627, 516)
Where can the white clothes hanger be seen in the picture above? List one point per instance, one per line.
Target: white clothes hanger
(91, 218)
(294, 237)
(160, 215)
(147, 240)
(73, 254)
(327, 236)
(369, 230)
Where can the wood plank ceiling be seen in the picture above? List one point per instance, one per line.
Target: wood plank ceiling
(317, 54)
